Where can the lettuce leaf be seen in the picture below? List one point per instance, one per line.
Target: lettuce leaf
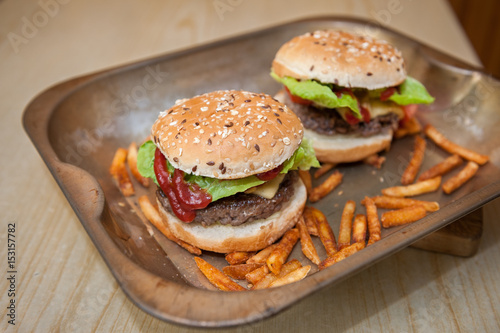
(411, 91)
(303, 158)
(320, 94)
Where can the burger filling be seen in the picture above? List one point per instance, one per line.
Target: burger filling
(341, 110)
(242, 207)
(189, 195)
(324, 121)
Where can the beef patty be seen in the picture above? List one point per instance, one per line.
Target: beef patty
(329, 122)
(241, 207)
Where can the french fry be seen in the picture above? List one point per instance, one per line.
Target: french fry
(459, 179)
(216, 277)
(132, 165)
(120, 174)
(346, 224)
(359, 229)
(325, 233)
(262, 255)
(239, 271)
(279, 255)
(306, 243)
(305, 175)
(411, 170)
(291, 277)
(257, 274)
(240, 257)
(425, 186)
(325, 167)
(375, 160)
(441, 168)
(310, 220)
(326, 187)
(270, 277)
(402, 216)
(373, 222)
(452, 147)
(410, 127)
(341, 255)
(387, 202)
(154, 217)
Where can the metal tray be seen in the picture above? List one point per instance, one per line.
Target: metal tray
(77, 126)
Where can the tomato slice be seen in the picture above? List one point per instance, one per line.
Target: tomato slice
(271, 174)
(297, 99)
(410, 110)
(386, 94)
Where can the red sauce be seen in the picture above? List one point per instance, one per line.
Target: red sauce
(190, 196)
(165, 181)
(297, 99)
(271, 174)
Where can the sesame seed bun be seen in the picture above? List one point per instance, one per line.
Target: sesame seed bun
(227, 134)
(251, 236)
(341, 58)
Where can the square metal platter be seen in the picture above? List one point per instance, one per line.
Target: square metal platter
(78, 125)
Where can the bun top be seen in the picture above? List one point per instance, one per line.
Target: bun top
(227, 134)
(341, 58)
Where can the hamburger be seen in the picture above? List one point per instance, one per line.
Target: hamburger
(351, 92)
(225, 164)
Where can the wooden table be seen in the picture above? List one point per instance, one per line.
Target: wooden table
(63, 284)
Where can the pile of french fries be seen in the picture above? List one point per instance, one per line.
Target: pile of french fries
(271, 267)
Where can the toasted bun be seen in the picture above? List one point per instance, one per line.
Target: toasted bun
(343, 148)
(251, 236)
(341, 58)
(227, 134)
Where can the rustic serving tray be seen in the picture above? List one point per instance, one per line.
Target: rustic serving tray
(77, 126)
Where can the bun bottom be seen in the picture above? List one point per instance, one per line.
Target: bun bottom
(344, 148)
(251, 236)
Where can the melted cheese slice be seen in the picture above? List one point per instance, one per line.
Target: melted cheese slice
(376, 108)
(268, 189)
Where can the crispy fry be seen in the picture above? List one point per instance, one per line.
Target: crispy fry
(154, 217)
(306, 243)
(216, 277)
(386, 202)
(402, 216)
(291, 277)
(372, 221)
(325, 233)
(442, 168)
(132, 165)
(346, 224)
(410, 127)
(411, 170)
(359, 229)
(239, 271)
(375, 160)
(279, 255)
(452, 147)
(326, 187)
(257, 274)
(341, 255)
(425, 186)
(262, 255)
(235, 258)
(305, 175)
(325, 167)
(270, 277)
(120, 174)
(459, 179)
(310, 220)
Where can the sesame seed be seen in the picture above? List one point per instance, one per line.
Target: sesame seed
(194, 168)
(209, 142)
(176, 159)
(257, 147)
(279, 121)
(211, 163)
